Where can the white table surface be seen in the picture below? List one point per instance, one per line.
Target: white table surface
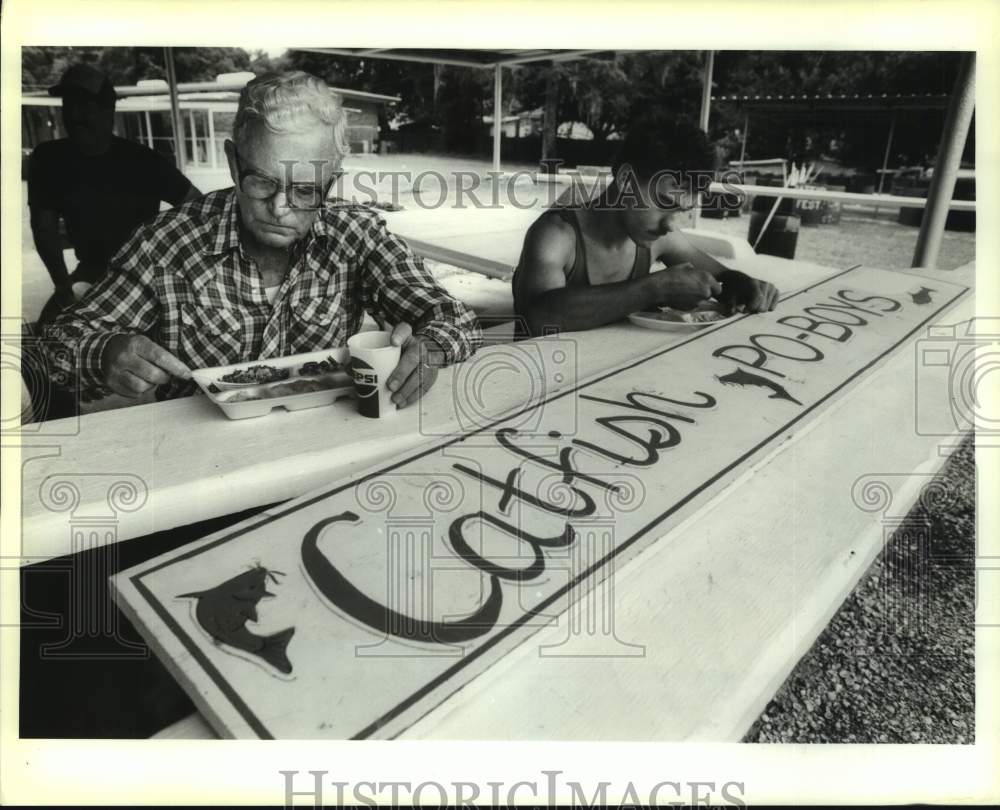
(193, 463)
(724, 613)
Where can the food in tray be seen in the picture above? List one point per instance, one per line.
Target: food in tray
(255, 375)
(282, 390)
(294, 382)
(313, 368)
(297, 387)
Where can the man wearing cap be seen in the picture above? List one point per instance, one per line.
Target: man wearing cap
(100, 185)
(268, 268)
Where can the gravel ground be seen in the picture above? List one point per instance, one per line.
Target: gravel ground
(862, 237)
(897, 663)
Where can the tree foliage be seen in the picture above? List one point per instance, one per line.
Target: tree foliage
(42, 67)
(856, 137)
(449, 97)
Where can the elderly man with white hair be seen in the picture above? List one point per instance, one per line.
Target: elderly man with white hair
(268, 268)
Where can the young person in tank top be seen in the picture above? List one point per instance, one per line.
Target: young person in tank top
(586, 265)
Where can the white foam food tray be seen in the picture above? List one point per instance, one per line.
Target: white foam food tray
(259, 400)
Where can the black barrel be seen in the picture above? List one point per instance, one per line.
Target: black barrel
(810, 211)
(782, 233)
(965, 189)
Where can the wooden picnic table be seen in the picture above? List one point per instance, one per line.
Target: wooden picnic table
(722, 620)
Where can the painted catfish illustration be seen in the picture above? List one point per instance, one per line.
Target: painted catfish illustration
(744, 378)
(223, 612)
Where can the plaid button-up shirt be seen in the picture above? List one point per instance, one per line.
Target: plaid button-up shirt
(184, 280)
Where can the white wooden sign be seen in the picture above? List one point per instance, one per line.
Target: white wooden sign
(352, 611)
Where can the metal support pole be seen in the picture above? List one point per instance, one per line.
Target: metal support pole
(956, 129)
(743, 145)
(29, 119)
(149, 130)
(497, 113)
(214, 157)
(175, 108)
(550, 126)
(194, 138)
(706, 103)
(706, 91)
(888, 146)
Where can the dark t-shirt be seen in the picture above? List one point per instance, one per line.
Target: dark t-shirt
(102, 199)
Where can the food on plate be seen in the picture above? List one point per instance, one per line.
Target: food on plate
(705, 316)
(313, 368)
(255, 375)
(706, 312)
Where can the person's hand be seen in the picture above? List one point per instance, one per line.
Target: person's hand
(741, 290)
(132, 364)
(683, 286)
(65, 296)
(418, 366)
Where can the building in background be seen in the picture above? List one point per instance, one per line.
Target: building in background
(208, 109)
(529, 124)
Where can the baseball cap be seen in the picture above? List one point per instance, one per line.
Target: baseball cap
(83, 78)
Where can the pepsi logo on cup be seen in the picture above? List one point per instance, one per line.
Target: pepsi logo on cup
(366, 387)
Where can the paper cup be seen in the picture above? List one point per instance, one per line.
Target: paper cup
(373, 359)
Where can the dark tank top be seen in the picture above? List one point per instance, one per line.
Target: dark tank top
(577, 275)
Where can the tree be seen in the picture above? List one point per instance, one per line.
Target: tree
(412, 81)
(670, 80)
(600, 96)
(261, 62)
(589, 91)
(604, 94)
(204, 64)
(450, 97)
(41, 67)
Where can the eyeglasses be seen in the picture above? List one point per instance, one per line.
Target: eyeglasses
(263, 187)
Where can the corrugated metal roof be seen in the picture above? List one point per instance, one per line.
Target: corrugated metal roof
(839, 100)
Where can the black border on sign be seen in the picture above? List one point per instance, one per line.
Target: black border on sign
(254, 722)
